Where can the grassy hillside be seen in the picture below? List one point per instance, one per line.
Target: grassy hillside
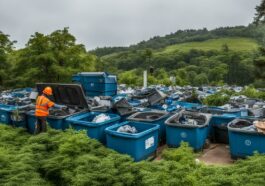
(235, 44)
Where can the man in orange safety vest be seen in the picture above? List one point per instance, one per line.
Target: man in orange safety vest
(43, 103)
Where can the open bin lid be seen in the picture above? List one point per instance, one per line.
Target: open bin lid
(65, 94)
(105, 74)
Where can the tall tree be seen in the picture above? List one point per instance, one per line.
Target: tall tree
(6, 46)
(260, 13)
(52, 58)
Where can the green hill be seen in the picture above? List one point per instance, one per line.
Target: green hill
(234, 44)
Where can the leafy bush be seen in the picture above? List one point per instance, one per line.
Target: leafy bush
(216, 99)
(71, 158)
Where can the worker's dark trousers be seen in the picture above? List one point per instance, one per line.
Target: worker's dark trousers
(41, 125)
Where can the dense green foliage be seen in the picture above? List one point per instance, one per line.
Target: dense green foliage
(46, 58)
(190, 35)
(71, 158)
(230, 57)
(192, 57)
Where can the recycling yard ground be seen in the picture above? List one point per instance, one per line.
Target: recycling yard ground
(71, 158)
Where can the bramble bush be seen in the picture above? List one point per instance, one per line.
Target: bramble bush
(71, 158)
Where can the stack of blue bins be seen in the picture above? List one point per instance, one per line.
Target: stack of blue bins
(152, 117)
(138, 145)
(93, 130)
(97, 83)
(244, 139)
(194, 134)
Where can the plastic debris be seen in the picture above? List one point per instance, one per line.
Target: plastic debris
(127, 129)
(189, 122)
(101, 118)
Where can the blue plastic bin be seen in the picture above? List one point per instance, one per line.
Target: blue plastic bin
(94, 130)
(5, 114)
(218, 110)
(245, 143)
(20, 120)
(97, 83)
(31, 122)
(140, 145)
(188, 105)
(152, 117)
(55, 122)
(195, 135)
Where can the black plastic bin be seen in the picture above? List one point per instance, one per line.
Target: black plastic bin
(152, 117)
(221, 134)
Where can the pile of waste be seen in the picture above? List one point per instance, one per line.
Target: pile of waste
(127, 129)
(17, 97)
(189, 118)
(100, 118)
(248, 125)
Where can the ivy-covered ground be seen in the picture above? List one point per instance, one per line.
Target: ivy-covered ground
(71, 158)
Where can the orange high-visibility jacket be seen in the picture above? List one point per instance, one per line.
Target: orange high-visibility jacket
(42, 106)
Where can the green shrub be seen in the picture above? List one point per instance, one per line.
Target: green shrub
(71, 158)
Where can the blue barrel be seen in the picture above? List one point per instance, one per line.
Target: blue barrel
(152, 117)
(140, 145)
(5, 114)
(93, 130)
(195, 135)
(244, 143)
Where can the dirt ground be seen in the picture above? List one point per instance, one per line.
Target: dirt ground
(214, 154)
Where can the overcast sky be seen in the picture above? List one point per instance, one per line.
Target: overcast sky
(98, 23)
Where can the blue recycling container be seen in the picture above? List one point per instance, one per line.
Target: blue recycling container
(20, 120)
(195, 135)
(93, 130)
(55, 122)
(140, 145)
(236, 112)
(245, 143)
(5, 113)
(188, 105)
(97, 83)
(152, 117)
